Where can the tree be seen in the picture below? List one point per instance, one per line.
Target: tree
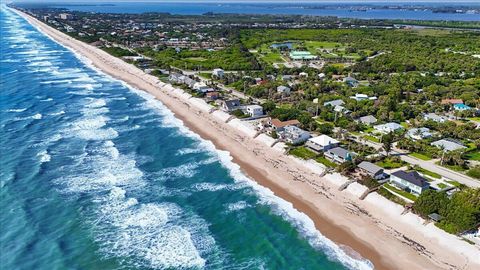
(387, 141)
(430, 201)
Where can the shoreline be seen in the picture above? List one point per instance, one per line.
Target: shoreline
(327, 207)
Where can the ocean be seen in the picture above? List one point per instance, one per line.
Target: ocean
(328, 8)
(98, 175)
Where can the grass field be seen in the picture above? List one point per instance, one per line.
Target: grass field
(427, 172)
(389, 163)
(372, 138)
(302, 153)
(325, 162)
(473, 155)
(420, 156)
(272, 57)
(400, 192)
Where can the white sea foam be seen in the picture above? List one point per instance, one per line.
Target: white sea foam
(37, 116)
(17, 110)
(57, 113)
(237, 206)
(44, 156)
(46, 100)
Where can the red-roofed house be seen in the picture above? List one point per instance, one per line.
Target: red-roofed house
(451, 101)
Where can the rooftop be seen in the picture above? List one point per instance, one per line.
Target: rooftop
(323, 140)
(411, 177)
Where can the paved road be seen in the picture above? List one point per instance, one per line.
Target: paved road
(426, 164)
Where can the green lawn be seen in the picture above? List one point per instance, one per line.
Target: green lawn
(326, 162)
(273, 57)
(372, 138)
(420, 156)
(473, 155)
(427, 172)
(476, 119)
(302, 153)
(455, 183)
(400, 192)
(389, 163)
(442, 185)
(453, 168)
(205, 75)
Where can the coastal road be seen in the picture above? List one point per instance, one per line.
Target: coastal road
(426, 164)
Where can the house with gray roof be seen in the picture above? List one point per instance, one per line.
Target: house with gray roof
(435, 117)
(294, 135)
(448, 145)
(284, 90)
(388, 127)
(339, 155)
(334, 103)
(230, 105)
(411, 181)
(367, 120)
(419, 133)
(372, 170)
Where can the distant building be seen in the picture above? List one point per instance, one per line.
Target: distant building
(230, 105)
(322, 143)
(218, 72)
(350, 81)
(388, 127)
(303, 74)
(448, 145)
(284, 90)
(435, 117)
(339, 155)
(294, 135)
(412, 181)
(419, 133)
(287, 77)
(360, 97)
(254, 110)
(212, 95)
(65, 16)
(202, 88)
(372, 170)
(279, 125)
(302, 55)
(367, 120)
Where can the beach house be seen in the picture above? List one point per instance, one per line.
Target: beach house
(369, 169)
(367, 120)
(278, 125)
(294, 135)
(388, 127)
(254, 110)
(448, 144)
(322, 143)
(411, 181)
(419, 133)
(230, 105)
(339, 155)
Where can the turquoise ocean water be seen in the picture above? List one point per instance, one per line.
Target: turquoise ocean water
(97, 175)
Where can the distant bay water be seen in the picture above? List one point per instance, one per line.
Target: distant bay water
(299, 8)
(97, 175)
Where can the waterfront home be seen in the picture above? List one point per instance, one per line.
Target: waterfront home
(435, 117)
(294, 135)
(322, 143)
(254, 110)
(334, 103)
(461, 107)
(176, 78)
(388, 127)
(202, 88)
(283, 90)
(411, 181)
(448, 145)
(419, 133)
(211, 96)
(278, 125)
(367, 120)
(339, 155)
(372, 170)
(189, 81)
(218, 72)
(230, 105)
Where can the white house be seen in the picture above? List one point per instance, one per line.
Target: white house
(334, 103)
(367, 120)
(419, 133)
(218, 72)
(254, 110)
(303, 74)
(388, 127)
(435, 117)
(322, 143)
(294, 135)
(409, 181)
(339, 155)
(448, 145)
(360, 97)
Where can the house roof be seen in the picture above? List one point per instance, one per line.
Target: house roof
(435, 117)
(391, 126)
(230, 104)
(336, 102)
(452, 101)
(370, 167)
(323, 140)
(411, 177)
(448, 144)
(279, 124)
(370, 119)
(340, 152)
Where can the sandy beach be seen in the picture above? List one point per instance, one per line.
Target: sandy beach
(373, 227)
